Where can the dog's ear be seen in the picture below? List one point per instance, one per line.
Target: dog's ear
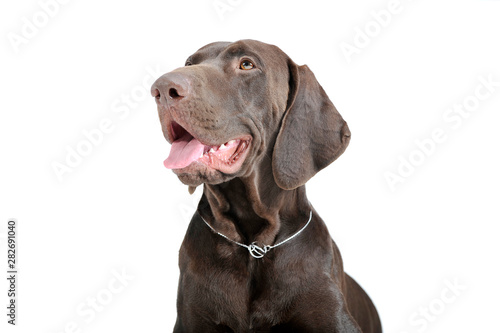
(312, 134)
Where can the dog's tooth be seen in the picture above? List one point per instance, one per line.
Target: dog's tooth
(201, 155)
(231, 142)
(222, 146)
(212, 150)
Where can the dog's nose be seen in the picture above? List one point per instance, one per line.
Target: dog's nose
(171, 88)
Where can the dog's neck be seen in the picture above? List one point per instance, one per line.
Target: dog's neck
(254, 208)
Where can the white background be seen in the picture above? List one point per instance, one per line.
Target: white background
(120, 209)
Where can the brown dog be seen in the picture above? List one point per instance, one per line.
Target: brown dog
(253, 126)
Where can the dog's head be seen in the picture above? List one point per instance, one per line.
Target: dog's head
(234, 105)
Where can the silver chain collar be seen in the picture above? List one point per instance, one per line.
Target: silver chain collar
(255, 250)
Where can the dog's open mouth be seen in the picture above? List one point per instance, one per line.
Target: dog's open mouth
(186, 149)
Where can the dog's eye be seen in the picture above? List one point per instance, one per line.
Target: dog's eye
(246, 65)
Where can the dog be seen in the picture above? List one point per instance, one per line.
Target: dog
(253, 127)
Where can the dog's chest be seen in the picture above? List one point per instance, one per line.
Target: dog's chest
(244, 297)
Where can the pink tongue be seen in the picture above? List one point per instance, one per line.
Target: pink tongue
(184, 151)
